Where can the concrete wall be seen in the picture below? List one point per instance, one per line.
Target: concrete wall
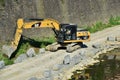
(81, 12)
(10, 12)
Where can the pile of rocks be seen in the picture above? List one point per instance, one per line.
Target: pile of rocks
(30, 53)
(81, 58)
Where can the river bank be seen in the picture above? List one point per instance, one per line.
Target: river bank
(104, 66)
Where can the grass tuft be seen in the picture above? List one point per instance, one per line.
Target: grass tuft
(5, 59)
(100, 25)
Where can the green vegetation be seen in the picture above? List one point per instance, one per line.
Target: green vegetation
(36, 43)
(23, 48)
(4, 58)
(100, 25)
(63, 1)
(45, 41)
(2, 2)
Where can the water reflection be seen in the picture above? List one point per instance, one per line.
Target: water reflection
(107, 69)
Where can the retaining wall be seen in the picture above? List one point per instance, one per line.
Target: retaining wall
(81, 12)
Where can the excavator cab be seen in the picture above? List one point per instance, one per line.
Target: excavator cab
(67, 32)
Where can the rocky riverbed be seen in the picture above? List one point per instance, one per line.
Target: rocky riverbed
(108, 68)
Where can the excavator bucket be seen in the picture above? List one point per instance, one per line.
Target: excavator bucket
(8, 50)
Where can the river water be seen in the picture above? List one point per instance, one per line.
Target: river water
(107, 69)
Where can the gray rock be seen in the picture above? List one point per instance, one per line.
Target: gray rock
(111, 56)
(81, 57)
(92, 52)
(107, 47)
(48, 78)
(72, 61)
(57, 67)
(97, 45)
(7, 50)
(42, 50)
(111, 38)
(33, 78)
(66, 59)
(78, 59)
(82, 52)
(47, 73)
(2, 64)
(31, 52)
(20, 58)
(75, 60)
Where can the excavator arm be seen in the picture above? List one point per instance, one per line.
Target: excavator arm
(51, 23)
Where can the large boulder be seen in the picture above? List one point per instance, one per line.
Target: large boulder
(31, 52)
(75, 59)
(7, 50)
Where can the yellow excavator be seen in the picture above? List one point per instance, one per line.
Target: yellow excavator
(66, 35)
